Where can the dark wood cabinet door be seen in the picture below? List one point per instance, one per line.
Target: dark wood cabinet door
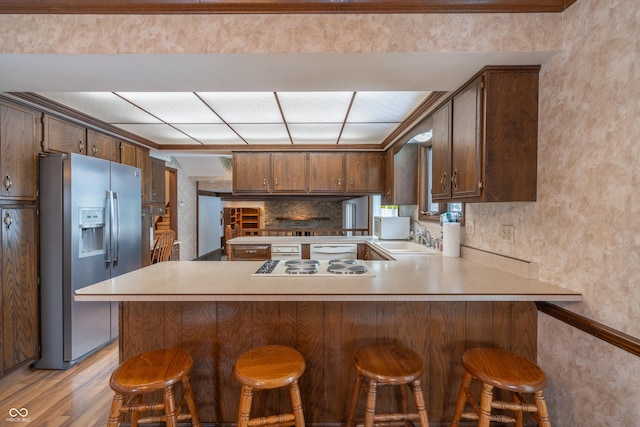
(19, 286)
(466, 143)
(441, 154)
(64, 137)
(143, 162)
(251, 172)
(389, 169)
(250, 252)
(128, 154)
(289, 172)
(326, 173)
(364, 171)
(157, 181)
(18, 153)
(102, 146)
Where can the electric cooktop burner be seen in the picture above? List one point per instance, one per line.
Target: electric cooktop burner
(313, 267)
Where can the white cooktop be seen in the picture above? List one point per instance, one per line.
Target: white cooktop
(314, 268)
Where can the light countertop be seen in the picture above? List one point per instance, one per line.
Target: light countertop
(410, 278)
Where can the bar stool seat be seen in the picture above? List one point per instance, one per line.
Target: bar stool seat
(270, 367)
(157, 370)
(387, 364)
(496, 368)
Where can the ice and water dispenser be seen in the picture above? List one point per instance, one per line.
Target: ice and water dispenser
(92, 232)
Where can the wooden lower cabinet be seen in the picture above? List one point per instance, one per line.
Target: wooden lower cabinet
(19, 284)
(249, 252)
(326, 333)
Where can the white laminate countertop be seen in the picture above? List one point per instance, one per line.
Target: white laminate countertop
(410, 278)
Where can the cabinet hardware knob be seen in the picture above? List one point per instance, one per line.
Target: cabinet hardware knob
(7, 219)
(339, 182)
(351, 182)
(80, 146)
(7, 183)
(264, 182)
(454, 179)
(95, 150)
(276, 182)
(443, 181)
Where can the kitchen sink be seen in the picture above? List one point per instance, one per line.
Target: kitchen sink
(405, 247)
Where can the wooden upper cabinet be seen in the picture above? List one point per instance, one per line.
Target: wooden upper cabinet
(251, 172)
(102, 146)
(401, 176)
(288, 172)
(326, 173)
(441, 153)
(157, 181)
(128, 154)
(64, 137)
(19, 338)
(143, 162)
(494, 139)
(18, 152)
(364, 172)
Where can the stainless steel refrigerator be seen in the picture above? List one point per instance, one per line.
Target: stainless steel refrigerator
(90, 231)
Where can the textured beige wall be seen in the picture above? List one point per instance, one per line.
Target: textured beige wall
(584, 230)
(93, 34)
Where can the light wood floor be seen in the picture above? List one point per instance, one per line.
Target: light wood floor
(79, 396)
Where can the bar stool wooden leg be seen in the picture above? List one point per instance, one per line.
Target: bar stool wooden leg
(355, 396)
(370, 408)
(486, 397)
(244, 409)
(404, 404)
(462, 399)
(542, 416)
(296, 403)
(421, 406)
(114, 413)
(170, 407)
(187, 390)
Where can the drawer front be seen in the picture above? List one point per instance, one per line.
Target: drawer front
(250, 252)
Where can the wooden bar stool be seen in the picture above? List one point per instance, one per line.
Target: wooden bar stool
(506, 371)
(157, 370)
(269, 367)
(388, 364)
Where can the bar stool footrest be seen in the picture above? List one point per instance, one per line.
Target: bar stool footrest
(494, 418)
(281, 420)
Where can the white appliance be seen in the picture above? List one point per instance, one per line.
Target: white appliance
(391, 227)
(286, 251)
(314, 268)
(328, 251)
(90, 228)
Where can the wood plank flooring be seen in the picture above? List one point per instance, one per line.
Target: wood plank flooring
(79, 396)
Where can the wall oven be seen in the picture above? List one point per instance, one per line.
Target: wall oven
(286, 251)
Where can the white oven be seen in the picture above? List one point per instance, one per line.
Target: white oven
(286, 251)
(328, 251)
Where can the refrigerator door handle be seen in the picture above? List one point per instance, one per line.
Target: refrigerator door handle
(117, 230)
(109, 242)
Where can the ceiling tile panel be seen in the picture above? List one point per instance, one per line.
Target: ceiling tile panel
(366, 133)
(215, 134)
(264, 133)
(315, 133)
(315, 107)
(105, 106)
(244, 107)
(173, 107)
(384, 106)
(159, 133)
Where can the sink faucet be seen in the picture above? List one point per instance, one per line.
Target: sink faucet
(424, 238)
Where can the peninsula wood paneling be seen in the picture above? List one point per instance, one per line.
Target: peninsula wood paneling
(326, 333)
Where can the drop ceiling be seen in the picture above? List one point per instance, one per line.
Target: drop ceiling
(243, 119)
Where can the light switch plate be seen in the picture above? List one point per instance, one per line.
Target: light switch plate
(507, 233)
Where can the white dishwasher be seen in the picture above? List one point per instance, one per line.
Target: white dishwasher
(329, 251)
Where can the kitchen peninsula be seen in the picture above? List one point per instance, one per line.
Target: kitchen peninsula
(436, 305)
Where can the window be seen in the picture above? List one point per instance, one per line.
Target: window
(427, 209)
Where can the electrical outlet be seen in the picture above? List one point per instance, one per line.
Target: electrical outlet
(507, 233)
(469, 228)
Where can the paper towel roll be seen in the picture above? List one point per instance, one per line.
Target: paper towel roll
(451, 239)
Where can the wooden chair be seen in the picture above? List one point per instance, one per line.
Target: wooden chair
(269, 367)
(388, 364)
(163, 246)
(496, 368)
(157, 370)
